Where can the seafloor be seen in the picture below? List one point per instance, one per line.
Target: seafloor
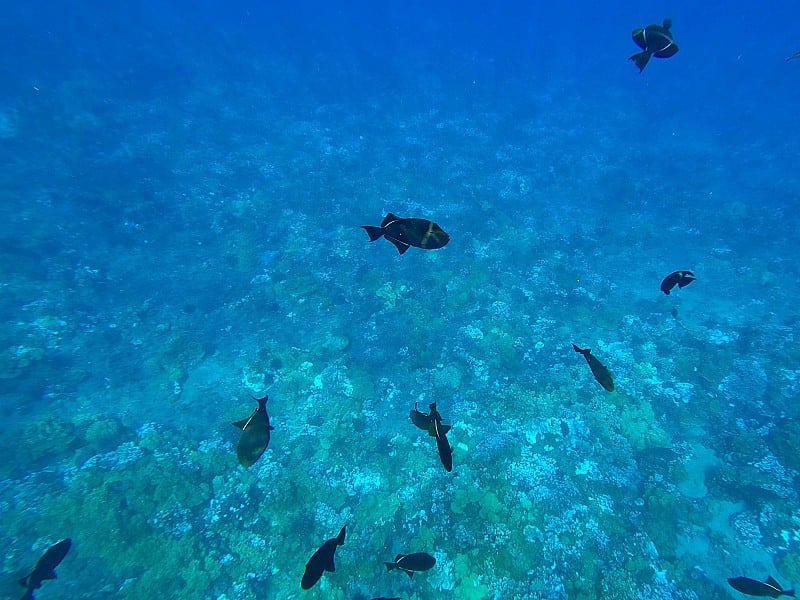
(169, 254)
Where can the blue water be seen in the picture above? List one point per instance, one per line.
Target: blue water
(182, 190)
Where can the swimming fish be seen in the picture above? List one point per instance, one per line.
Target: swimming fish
(45, 567)
(255, 434)
(752, 587)
(321, 561)
(679, 278)
(599, 370)
(411, 563)
(795, 55)
(438, 430)
(654, 40)
(403, 233)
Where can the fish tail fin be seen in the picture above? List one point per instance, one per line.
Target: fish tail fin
(582, 351)
(373, 232)
(641, 59)
(389, 566)
(340, 537)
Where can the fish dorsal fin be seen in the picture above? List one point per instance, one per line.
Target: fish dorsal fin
(389, 218)
(770, 581)
(241, 424)
(398, 557)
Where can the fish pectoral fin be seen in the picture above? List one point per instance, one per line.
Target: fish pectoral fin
(443, 429)
(51, 575)
(770, 581)
(271, 428)
(329, 566)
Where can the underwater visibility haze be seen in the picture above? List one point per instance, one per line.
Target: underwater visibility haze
(192, 201)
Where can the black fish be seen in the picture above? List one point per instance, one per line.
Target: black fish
(679, 278)
(769, 588)
(403, 233)
(410, 563)
(45, 567)
(795, 55)
(255, 434)
(321, 561)
(599, 370)
(420, 419)
(438, 430)
(654, 40)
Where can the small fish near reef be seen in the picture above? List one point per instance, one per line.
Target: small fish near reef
(439, 430)
(412, 563)
(766, 589)
(654, 40)
(679, 278)
(255, 434)
(321, 561)
(45, 568)
(403, 233)
(432, 423)
(599, 370)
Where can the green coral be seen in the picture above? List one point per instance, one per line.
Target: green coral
(638, 424)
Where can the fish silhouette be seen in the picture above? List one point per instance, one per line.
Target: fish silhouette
(654, 40)
(599, 370)
(403, 233)
(411, 563)
(679, 278)
(45, 567)
(768, 588)
(321, 561)
(255, 434)
(439, 430)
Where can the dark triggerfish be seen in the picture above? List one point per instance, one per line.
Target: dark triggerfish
(432, 423)
(403, 233)
(654, 40)
(321, 561)
(752, 587)
(599, 370)
(679, 278)
(439, 430)
(255, 434)
(411, 563)
(45, 568)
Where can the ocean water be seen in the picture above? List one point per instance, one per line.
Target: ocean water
(182, 189)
